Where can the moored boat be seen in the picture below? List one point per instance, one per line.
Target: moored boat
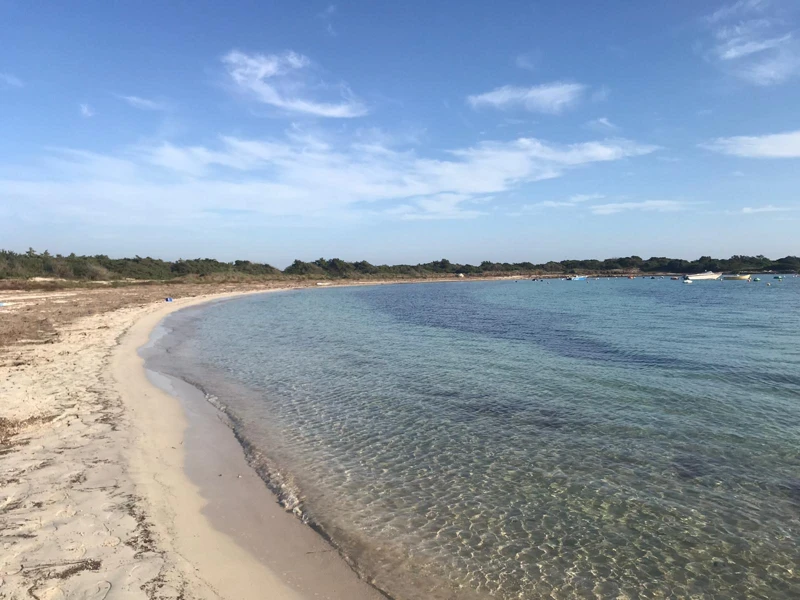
(736, 277)
(577, 278)
(708, 275)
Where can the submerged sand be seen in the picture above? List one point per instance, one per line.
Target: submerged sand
(100, 498)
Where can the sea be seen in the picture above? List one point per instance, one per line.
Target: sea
(520, 439)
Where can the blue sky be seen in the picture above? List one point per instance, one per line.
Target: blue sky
(401, 132)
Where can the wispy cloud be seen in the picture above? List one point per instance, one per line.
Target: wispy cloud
(587, 203)
(301, 176)
(327, 12)
(646, 205)
(549, 98)
(585, 197)
(777, 145)
(327, 15)
(528, 61)
(142, 103)
(601, 124)
(601, 94)
(751, 41)
(9, 80)
(737, 10)
(738, 48)
(750, 210)
(283, 81)
(572, 201)
(86, 110)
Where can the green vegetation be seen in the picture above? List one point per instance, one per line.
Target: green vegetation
(102, 268)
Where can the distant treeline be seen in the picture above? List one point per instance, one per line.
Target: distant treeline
(100, 267)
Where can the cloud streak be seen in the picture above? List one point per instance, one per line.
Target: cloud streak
(751, 42)
(549, 98)
(601, 124)
(283, 81)
(9, 80)
(646, 205)
(300, 176)
(86, 111)
(777, 145)
(751, 210)
(143, 103)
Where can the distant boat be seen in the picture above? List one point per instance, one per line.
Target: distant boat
(577, 278)
(687, 281)
(736, 277)
(778, 277)
(756, 278)
(674, 278)
(703, 276)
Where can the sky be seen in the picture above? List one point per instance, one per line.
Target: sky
(400, 132)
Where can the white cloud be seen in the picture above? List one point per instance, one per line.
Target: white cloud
(9, 80)
(572, 201)
(737, 9)
(585, 197)
(751, 41)
(143, 103)
(86, 110)
(601, 124)
(738, 48)
(778, 145)
(774, 69)
(298, 176)
(437, 207)
(646, 205)
(551, 98)
(283, 81)
(748, 210)
(584, 202)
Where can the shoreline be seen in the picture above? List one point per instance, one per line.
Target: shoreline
(230, 525)
(97, 498)
(85, 507)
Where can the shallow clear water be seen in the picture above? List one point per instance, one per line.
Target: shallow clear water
(601, 439)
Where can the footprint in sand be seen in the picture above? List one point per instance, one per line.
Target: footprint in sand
(12, 569)
(112, 541)
(51, 593)
(97, 590)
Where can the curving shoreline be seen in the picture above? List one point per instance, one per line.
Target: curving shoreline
(101, 495)
(207, 503)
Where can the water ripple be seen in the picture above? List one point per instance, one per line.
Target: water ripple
(616, 439)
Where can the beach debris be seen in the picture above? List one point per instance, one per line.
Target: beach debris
(168, 299)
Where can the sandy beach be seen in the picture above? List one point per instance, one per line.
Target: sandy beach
(112, 487)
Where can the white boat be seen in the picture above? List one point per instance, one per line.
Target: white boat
(687, 281)
(736, 277)
(703, 276)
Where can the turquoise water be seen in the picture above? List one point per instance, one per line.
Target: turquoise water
(602, 439)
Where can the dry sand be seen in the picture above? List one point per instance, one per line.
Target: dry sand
(110, 487)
